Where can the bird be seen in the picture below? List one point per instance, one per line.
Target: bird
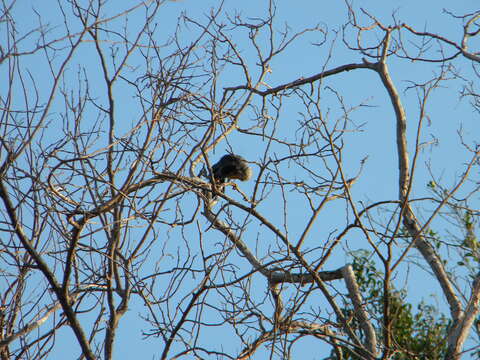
(231, 166)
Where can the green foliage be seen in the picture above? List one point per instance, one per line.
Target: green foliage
(416, 334)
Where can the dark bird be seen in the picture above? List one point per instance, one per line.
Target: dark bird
(231, 167)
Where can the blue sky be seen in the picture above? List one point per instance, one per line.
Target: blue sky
(376, 139)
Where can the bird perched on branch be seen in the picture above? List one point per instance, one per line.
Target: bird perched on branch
(231, 166)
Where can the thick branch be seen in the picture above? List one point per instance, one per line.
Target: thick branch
(241, 246)
(458, 334)
(360, 313)
(285, 277)
(413, 228)
(302, 81)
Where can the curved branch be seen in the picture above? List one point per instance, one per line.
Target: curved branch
(303, 81)
(412, 226)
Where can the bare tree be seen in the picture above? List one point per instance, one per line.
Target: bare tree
(110, 204)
